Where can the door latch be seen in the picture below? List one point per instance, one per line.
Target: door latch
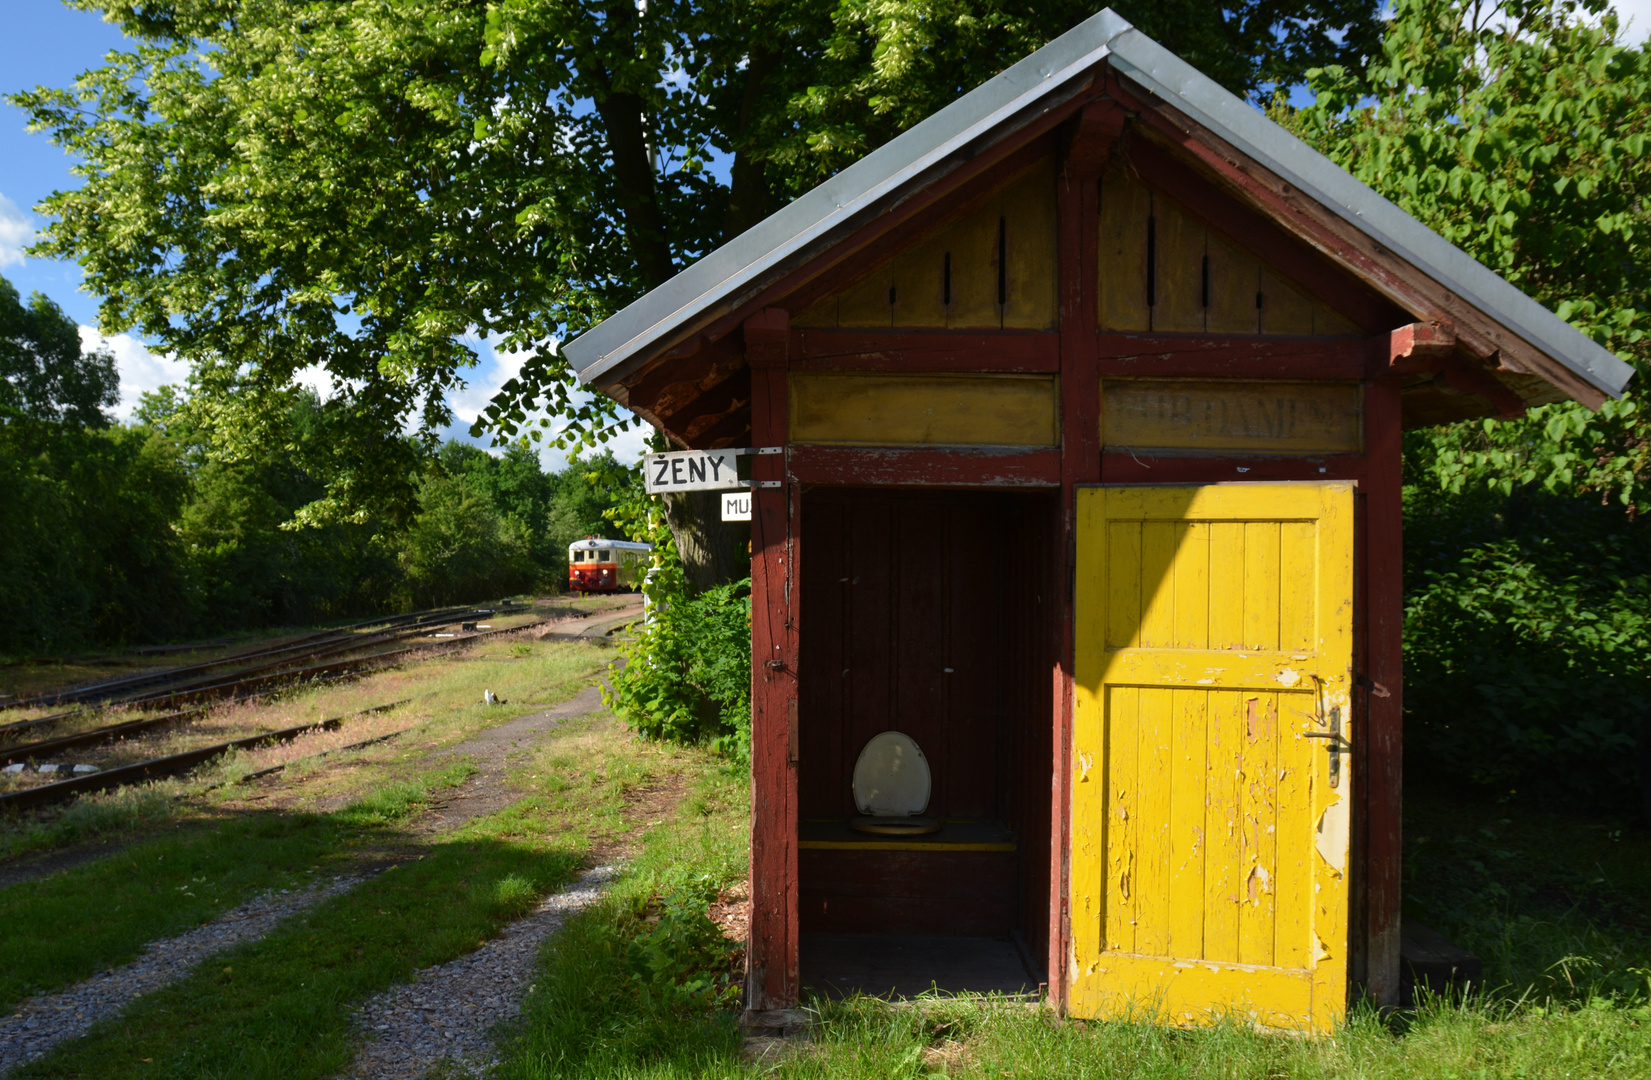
(1337, 743)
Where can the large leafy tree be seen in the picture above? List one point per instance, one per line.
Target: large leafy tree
(275, 184)
(1519, 130)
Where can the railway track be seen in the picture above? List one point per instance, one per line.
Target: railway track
(193, 685)
(172, 764)
(311, 674)
(120, 689)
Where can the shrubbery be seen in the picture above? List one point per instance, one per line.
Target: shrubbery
(687, 674)
(1527, 641)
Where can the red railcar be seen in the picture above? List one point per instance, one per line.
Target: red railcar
(604, 566)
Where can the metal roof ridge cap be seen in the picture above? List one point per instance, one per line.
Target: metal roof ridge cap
(1323, 190)
(1051, 79)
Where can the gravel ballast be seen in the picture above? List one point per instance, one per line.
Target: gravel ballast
(446, 1015)
(43, 1021)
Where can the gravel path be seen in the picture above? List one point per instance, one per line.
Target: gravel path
(447, 1013)
(42, 1022)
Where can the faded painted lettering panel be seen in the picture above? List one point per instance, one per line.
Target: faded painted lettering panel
(854, 409)
(1229, 416)
(1209, 852)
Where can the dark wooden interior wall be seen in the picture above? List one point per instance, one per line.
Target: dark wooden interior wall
(900, 586)
(1031, 635)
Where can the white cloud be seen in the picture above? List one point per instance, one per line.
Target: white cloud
(493, 370)
(16, 231)
(140, 370)
(316, 378)
(1635, 18)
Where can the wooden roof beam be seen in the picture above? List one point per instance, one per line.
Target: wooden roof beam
(1431, 348)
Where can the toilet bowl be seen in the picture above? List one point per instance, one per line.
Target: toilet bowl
(891, 787)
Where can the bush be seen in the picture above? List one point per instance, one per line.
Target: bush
(1527, 641)
(687, 675)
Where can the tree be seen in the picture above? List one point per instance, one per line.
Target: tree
(86, 550)
(270, 186)
(1519, 131)
(44, 374)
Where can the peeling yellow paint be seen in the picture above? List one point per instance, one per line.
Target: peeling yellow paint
(1203, 615)
(1333, 829)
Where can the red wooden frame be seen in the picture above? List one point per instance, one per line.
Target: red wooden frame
(1077, 211)
(925, 350)
(772, 978)
(925, 466)
(1138, 468)
(1233, 357)
(1383, 736)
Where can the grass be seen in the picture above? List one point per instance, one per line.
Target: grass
(1549, 888)
(1555, 901)
(218, 850)
(445, 709)
(68, 926)
(282, 1007)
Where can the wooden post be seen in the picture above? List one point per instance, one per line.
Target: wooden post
(772, 979)
(1077, 205)
(1384, 716)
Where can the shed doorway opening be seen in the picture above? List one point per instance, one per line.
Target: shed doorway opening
(934, 614)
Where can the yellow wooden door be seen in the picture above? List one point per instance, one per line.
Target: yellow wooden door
(1211, 791)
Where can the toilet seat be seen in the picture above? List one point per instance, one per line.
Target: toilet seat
(892, 786)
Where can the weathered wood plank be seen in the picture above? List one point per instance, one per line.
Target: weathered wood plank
(1223, 865)
(1160, 468)
(1283, 309)
(1235, 279)
(772, 975)
(909, 892)
(917, 279)
(1123, 815)
(854, 409)
(1124, 208)
(923, 467)
(1181, 248)
(1189, 768)
(1384, 697)
(1028, 208)
(1226, 208)
(924, 351)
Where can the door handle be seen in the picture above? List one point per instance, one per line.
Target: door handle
(1337, 744)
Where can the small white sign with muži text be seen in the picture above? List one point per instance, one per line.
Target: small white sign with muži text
(736, 506)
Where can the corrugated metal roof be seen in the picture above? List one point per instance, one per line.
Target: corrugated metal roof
(604, 350)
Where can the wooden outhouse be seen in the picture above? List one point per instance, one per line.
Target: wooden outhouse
(1090, 391)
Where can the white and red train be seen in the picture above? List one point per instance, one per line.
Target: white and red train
(600, 566)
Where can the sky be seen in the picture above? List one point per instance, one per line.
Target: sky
(46, 43)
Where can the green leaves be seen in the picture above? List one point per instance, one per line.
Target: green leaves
(447, 171)
(1519, 133)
